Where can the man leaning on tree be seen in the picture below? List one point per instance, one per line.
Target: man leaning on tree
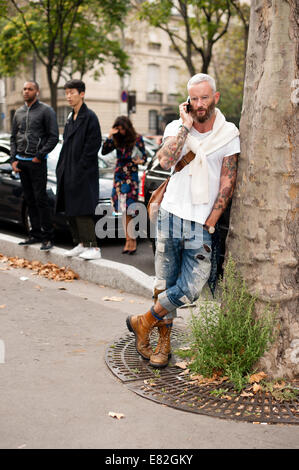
(196, 196)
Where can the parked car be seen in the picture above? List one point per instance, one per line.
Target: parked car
(13, 207)
(152, 177)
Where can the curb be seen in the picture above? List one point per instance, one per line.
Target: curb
(105, 272)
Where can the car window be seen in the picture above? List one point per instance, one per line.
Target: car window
(109, 158)
(4, 155)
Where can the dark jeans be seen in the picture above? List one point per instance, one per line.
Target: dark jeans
(83, 230)
(34, 181)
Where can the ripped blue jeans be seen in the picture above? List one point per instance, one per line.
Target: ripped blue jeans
(182, 261)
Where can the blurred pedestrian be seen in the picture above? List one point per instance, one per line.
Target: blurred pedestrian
(78, 172)
(34, 134)
(130, 152)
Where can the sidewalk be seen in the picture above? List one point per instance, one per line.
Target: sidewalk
(56, 390)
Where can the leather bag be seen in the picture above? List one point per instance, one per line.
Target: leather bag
(158, 194)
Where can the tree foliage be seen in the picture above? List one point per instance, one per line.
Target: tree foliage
(228, 69)
(193, 26)
(66, 36)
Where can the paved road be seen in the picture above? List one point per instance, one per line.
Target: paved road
(56, 390)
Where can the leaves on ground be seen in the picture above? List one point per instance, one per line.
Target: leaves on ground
(256, 378)
(182, 364)
(48, 270)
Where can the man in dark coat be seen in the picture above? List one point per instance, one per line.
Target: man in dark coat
(78, 172)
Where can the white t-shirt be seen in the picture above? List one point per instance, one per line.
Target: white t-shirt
(180, 182)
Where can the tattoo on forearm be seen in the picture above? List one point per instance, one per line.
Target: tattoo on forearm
(172, 148)
(227, 185)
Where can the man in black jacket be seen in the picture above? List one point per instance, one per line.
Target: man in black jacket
(34, 135)
(78, 172)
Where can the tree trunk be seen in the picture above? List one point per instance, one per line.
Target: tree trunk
(53, 88)
(263, 236)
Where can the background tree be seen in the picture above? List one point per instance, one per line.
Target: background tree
(243, 11)
(228, 68)
(66, 36)
(263, 236)
(193, 26)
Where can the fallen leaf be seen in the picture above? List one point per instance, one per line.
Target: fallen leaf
(112, 414)
(246, 394)
(196, 377)
(182, 365)
(113, 299)
(257, 377)
(150, 382)
(2, 306)
(185, 372)
(256, 388)
(227, 397)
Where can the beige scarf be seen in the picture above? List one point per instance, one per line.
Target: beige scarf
(223, 132)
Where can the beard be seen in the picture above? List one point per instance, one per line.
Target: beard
(209, 111)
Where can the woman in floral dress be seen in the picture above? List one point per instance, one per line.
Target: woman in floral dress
(125, 140)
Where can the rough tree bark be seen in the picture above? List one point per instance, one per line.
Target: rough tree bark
(263, 237)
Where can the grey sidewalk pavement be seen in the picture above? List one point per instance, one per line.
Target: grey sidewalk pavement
(56, 390)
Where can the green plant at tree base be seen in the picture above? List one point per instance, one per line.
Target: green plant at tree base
(227, 337)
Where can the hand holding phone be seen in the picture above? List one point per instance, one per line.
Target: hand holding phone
(188, 107)
(185, 113)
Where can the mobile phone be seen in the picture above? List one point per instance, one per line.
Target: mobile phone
(188, 107)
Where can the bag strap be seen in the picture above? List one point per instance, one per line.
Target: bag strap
(184, 161)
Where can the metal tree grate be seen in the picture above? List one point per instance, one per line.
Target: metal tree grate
(169, 387)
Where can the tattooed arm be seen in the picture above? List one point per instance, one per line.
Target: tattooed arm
(171, 150)
(227, 185)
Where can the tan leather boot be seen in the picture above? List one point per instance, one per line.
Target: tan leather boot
(162, 352)
(141, 326)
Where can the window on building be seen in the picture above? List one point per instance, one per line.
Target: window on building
(154, 46)
(172, 80)
(62, 115)
(153, 78)
(153, 121)
(172, 84)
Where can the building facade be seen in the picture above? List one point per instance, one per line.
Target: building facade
(156, 77)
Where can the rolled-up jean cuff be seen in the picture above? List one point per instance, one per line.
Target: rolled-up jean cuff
(165, 303)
